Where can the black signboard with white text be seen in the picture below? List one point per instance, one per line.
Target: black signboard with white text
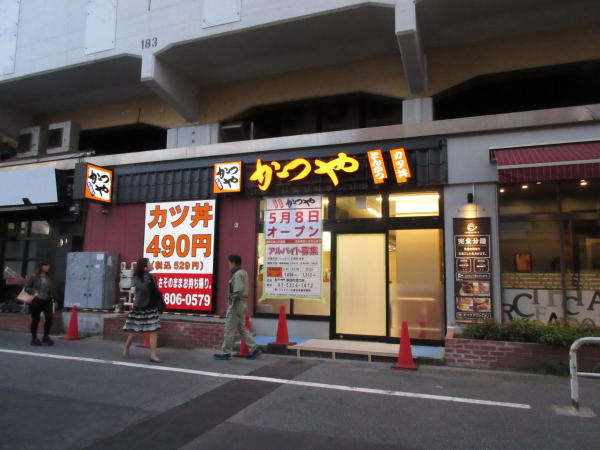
(472, 269)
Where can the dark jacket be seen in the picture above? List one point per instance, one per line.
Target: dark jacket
(41, 287)
(145, 292)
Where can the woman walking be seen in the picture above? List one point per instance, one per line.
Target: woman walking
(145, 316)
(40, 284)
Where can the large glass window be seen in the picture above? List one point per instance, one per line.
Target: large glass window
(25, 244)
(550, 250)
(358, 207)
(294, 306)
(418, 204)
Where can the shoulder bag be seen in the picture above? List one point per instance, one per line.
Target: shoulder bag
(25, 297)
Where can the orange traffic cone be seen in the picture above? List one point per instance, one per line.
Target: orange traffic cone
(146, 343)
(244, 350)
(73, 329)
(282, 331)
(405, 358)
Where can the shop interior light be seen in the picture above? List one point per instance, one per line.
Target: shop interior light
(374, 212)
(394, 198)
(326, 201)
(326, 241)
(525, 186)
(502, 190)
(538, 182)
(425, 204)
(434, 196)
(583, 183)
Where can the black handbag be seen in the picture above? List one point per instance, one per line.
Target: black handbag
(158, 298)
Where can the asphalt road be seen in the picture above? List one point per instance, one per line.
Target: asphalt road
(82, 394)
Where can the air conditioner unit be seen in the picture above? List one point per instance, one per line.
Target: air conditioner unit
(241, 131)
(31, 142)
(63, 137)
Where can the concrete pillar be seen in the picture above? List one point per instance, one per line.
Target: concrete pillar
(456, 205)
(173, 87)
(417, 110)
(409, 42)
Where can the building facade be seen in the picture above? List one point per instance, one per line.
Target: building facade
(482, 116)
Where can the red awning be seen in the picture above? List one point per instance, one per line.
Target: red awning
(549, 162)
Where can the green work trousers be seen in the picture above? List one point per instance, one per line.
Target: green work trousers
(236, 321)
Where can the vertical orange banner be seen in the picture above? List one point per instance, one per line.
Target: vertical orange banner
(377, 166)
(401, 169)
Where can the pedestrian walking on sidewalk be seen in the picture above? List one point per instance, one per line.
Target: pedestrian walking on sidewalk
(236, 311)
(40, 284)
(145, 315)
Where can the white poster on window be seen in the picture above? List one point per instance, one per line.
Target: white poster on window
(179, 238)
(293, 248)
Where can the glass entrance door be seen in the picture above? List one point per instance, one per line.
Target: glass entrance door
(361, 284)
(416, 283)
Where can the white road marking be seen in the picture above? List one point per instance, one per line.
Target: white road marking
(282, 381)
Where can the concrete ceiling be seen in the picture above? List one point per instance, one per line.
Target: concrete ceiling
(323, 40)
(456, 22)
(91, 84)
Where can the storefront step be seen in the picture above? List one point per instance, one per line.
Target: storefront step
(21, 322)
(371, 351)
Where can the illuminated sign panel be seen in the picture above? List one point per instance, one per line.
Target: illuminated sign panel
(377, 166)
(179, 239)
(300, 168)
(98, 183)
(472, 269)
(227, 177)
(400, 163)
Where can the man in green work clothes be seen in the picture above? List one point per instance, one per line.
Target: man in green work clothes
(236, 311)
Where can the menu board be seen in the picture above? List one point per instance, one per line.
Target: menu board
(472, 269)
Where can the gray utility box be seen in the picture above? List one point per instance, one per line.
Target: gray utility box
(91, 279)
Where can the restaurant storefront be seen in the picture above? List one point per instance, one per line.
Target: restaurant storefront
(549, 213)
(370, 257)
(39, 221)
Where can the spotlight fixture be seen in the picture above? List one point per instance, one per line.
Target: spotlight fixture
(525, 186)
(538, 182)
(502, 190)
(583, 183)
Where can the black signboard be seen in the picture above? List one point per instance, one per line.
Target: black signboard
(472, 269)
